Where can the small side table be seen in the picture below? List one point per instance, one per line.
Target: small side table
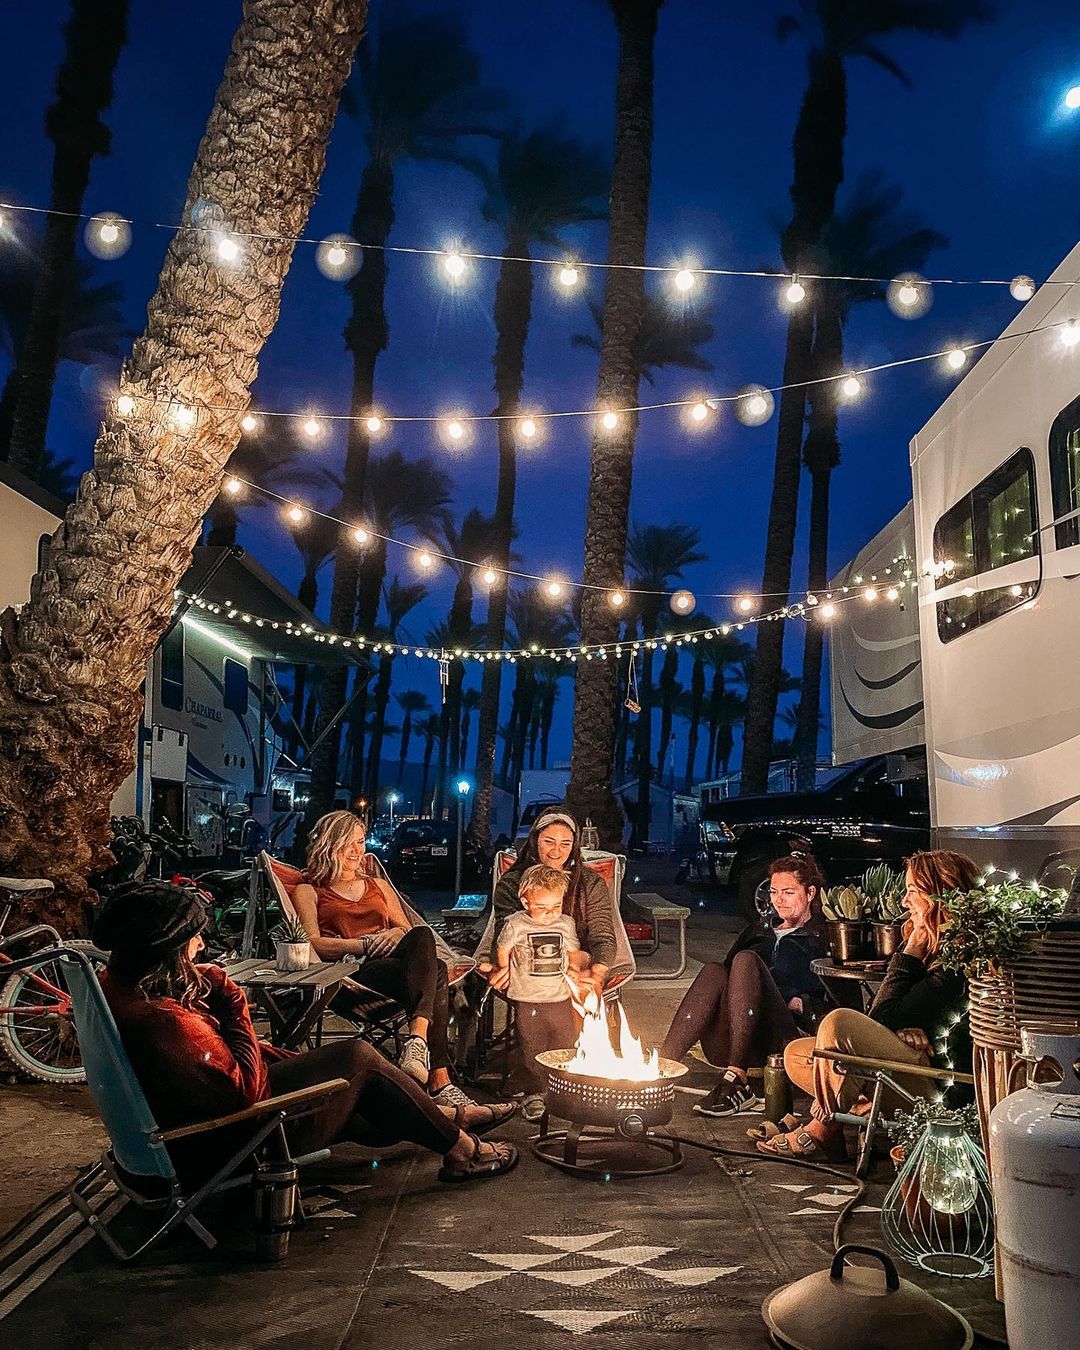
(265, 984)
(852, 986)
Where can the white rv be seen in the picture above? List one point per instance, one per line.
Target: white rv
(996, 551)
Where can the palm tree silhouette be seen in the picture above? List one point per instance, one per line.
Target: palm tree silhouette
(412, 703)
(399, 598)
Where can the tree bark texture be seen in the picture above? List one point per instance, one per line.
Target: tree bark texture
(366, 336)
(73, 660)
(818, 151)
(611, 469)
(95, 34)
(513, 314)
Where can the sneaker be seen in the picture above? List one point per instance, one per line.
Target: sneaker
(532, 1108)
(451, 1096)
(730, 1096)
(414, 1059)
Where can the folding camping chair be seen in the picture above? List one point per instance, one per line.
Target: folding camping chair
(137, 1161)
(379, 1019)
(882, 1072)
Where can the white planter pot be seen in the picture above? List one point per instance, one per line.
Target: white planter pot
(293, 955)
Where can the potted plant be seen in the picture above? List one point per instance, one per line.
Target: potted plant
(291, 945)
(995, 923)
(884, 892)
(844, 908)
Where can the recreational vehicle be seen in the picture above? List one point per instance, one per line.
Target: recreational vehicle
(990, 686)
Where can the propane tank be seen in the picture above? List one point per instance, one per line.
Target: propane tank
(1035, 1165)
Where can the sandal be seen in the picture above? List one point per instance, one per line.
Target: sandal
(488, 1160)
(800, 1144)
(767, 1130)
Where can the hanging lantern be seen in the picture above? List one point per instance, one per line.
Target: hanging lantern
(682, 602)
(939, 1214)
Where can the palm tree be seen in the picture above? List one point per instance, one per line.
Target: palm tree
(92, 329)
(315, 540)
(666, 337)
(415, 95)
(724, 709)
(272, 458)
(470, 703)
(612, 459)
(93, 36)
(657, 555)
(837, 31)
(871, 236)
(399, 598)
(534, 622)
(544, 183)
(412, 703)
(75, 655)
(429, 729)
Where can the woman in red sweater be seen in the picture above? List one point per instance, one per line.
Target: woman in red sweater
(188, 1033)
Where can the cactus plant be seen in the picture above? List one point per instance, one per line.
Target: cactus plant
(843, 902)
(290, 930)
(883, 890)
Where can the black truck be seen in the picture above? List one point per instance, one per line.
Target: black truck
(858, 818)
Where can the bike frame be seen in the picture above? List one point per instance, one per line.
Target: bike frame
(63, 999)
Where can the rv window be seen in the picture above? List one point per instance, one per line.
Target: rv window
(172, 669)
(1065, 473)
(234, 683)
(992, 527)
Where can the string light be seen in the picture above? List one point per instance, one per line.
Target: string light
(338, 257)
(1070, 335)
(851, 387)
(228, 250)
(827, 611)
(870, 593)
(454, 266)
(361, 535)
(568, 276)
(233, 486)
(527, 428)
(374, 424)
(699, 412)
(490, 576)
(249, 422)
(554, 589)
(796, 292)
(183, 417)
(1022, 288)
(956, 359)
(455, 430)
(892, 594)
(1072, 98)
(609, 421)
(744, 604)
(125, 405)
(297, 515)
(617, 599)
(754, 405)
(107, 236)
(682, 602)
(684, 280)
(312, 428)
(425, 560)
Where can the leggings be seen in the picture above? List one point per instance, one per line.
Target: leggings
(738, 1015)
(381, 1106)
(413, 976)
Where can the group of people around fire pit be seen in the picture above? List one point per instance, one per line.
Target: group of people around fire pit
(188, 1030)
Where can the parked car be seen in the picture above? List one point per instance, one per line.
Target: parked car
(425, 850)
(379, 834)
(858, 818)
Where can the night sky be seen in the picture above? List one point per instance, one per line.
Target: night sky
(981, 145)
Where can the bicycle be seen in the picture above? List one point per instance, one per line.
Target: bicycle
(37, 1025)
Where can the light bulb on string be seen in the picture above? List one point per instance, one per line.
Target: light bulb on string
(233, 486)
(1072, 98)
(682, 602)
(892, 594)
(338, 257)
(553, 589)
(1022, 288)
(125, 405)
(909, 296)
(568, 276)
(425, 560)
(374, 424)
(228, 250)
(795, 293)
(744, 604)
(527, 428)
(699, 413)
(956, 359)
(249, 423)
(870, 593)
(312, 428)
(453, 265)
(183, 417)
(617, 599)
(107, 236)
(454, 431)
(754, 405)
(1070, 334)
(851, 386)
(685, 280)
(296, 514)
(490, 576)
(609, 421)
(360, 535)
(827, 610)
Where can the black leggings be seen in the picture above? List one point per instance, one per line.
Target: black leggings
(413, 976)
(381, 1106)
(738, 1015)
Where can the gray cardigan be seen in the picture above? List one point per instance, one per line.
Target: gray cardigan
(598, 939)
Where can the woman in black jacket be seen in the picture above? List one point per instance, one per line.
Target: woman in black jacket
(919, 1016)
(762, 996)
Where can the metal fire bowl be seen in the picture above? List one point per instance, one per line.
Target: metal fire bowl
(607, 1101)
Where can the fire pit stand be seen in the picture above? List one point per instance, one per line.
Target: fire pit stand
(611, 1121)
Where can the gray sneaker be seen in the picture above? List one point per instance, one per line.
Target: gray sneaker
(415, 1060)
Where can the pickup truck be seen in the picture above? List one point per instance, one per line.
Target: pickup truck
(858, 818)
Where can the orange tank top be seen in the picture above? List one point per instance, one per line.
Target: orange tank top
(344, 918)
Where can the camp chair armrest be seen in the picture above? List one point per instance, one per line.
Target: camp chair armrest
(894, 1066)
(287, 1104)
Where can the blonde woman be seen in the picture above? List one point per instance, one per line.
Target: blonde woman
(919, 1016)
(346, 912)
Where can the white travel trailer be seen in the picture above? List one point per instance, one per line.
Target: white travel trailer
(996, 495)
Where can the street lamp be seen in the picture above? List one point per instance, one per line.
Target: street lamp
(464, 787)
(393, 799)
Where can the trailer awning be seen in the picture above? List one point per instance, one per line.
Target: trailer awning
(245, 592)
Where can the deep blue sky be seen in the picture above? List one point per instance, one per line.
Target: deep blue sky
(980, 145)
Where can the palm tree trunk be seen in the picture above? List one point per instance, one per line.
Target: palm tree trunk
(547, 716)
(366, 336)
(513, 314)
(403, 754)
(94, 36)
(667, 706)
(429, 747)
(697, 702)
(378, 724)
(643, 747)
(818, 148)
(75, 656)
(611, 468)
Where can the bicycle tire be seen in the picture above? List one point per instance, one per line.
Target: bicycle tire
(46, 1050)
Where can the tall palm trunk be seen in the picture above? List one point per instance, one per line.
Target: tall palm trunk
(513, 313)
(643, 749)
(94, 35)
(547, 717)
(612, 461)
(697, 703)
(403, 753)
(429, 747)
(366, 336)
(668, 693)
(378, 727)
(818, 148)
(74, 658)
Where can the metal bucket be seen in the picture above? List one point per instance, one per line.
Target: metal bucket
(887, 938)
(847, 940)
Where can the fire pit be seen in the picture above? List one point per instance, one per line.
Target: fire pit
(612, 1099)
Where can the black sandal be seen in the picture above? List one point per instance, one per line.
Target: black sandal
(488, 1160)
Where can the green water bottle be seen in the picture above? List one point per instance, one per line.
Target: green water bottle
(777, 1090)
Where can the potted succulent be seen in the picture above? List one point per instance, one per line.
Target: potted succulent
(291, 944)
(884, 892)
(844, 908)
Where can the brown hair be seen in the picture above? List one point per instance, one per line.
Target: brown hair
(804, 868)
(328, 835)
(541, 878)
(936, 872)
(574, 899)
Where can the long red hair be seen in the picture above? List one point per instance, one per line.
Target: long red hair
(936, 872)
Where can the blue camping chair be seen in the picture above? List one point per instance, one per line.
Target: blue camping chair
(137, 1160)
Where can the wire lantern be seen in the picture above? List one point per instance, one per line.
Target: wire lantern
(939, 1213)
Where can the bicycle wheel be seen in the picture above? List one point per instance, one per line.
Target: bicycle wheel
(39, 1042)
